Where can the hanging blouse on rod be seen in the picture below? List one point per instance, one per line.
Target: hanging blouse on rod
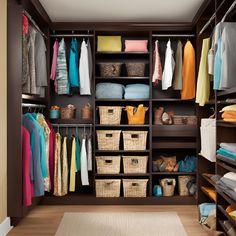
(57, 173)
(157, 73)
(64, 169)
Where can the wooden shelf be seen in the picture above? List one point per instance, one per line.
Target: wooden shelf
(226, 92)
(171, 100)
(226, 197)
(223, 226)
(223, 211)
(174, 145)
(206, 193)
(121, 126)
(33, 98)
(223, 161)
(209, 180)
(173, 173)
(122, 53)
(174, 130)
(122, 151)
(122, 78)
(222, 123)
(229, 168)
(70, 121)
(120, 100)
(123, 175)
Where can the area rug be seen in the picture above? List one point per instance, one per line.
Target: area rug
(121, 224)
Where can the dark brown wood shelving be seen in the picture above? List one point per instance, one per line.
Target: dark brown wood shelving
(122, 53)
(209, 180)
(226, 92)
(122, 151)
(120, 100)
(223, 211)
(171, 100)
(174, 145)
(173, 173)
(223, 161)
(225, 166)
(33, 98)
(122, 78)
(123, 175)
(226, 197)
(71, 121)
(206, 193)
(222, 123)
(121, 126)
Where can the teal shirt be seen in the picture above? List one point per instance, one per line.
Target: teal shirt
(74, 64)
(217, 66)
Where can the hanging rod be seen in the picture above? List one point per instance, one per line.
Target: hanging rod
(72, 125)
(33, 105)
(174, 35)
(34, 23)
(211, 19)
(71, 35)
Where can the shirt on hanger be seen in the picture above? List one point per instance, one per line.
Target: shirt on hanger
(73, 165)
(57, 172)
(78, 164)
(54, 61)
(73, 64)
(64, 168)
(84, 163)
(157, 73)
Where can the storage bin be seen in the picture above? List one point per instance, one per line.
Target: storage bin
(68, 112)
(110, 115)
(108, 164)
(54, 114)
(108, 139)
(135, 140)
(135, 164)
(168, 187)
(86, 112)
(107, 187)
(135, 187)
(182, 184)
(135, 69)
(110, 69)
(103, 90)
(109, 44)
(136, 116)
(185, 120)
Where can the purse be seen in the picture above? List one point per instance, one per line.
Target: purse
(136, 116)
(86, 112)
(109, 44)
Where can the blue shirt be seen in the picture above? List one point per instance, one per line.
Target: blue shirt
(217, 66)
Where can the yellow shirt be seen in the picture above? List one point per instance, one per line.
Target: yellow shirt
(73, 166)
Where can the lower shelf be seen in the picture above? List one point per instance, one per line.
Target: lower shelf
(73, 199)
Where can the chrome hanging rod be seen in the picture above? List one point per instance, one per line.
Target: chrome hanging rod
(33, 105)
(174, 35)
(72, 125)
(34, 23)
(70, 35)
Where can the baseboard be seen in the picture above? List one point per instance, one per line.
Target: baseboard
(5, 227)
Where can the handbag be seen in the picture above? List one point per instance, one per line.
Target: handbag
(109, 44)
(86, 112)
(136, 116)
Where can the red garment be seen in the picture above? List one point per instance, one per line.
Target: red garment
(25, 23)
(52, 138)
(28, 187)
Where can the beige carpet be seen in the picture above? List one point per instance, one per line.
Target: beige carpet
(121, 224)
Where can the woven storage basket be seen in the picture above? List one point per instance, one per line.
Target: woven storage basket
(185, 120)
(110, 115)
(135, 164)
(168, 187)
(108, 139)
(182, 184)
(135, 69)
(68, 113)
(110, 69)
(135, 140)
(107, 187)
(108, 164)
(135, 187)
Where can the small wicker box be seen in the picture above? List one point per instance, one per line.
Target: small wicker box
(135, 140)
(110, 115)
(108, 164)
(107, 187)
(182, 184)
(68, 113)
(135, 69)
(110, 69)
(135, 187)
(135, 164)
(168, 187)
(185, 120)
(108, 139)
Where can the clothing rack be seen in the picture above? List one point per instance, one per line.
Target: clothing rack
(174, 35)
(71, 35)
(211, 19)
(34, 24)
(33, 105)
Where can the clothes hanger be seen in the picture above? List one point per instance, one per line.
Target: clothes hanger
(214, 113)
(58, 129)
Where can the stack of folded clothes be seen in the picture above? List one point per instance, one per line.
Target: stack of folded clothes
(229, 113)
(137, 91)
(227, 185)
(227, 151)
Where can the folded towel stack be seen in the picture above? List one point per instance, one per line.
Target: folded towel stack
(229, 113)
(227, 151)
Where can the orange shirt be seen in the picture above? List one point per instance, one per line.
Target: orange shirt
(189, 79)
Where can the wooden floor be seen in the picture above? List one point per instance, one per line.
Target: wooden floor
(44, 220)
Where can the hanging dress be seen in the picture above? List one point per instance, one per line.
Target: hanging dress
(189, 78)
(89, 151)
(203, 81)
(84, 163)
(57, 173)
(54, 61)
(169, 67)
(178, 78)
(73, 64)
(73, 165)
(78, 164)
(64, 174)
(157, 73)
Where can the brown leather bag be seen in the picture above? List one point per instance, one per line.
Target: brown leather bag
(87, 112)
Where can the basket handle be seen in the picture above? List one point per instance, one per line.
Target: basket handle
(134, 135)
(113, 68)
(134, 161)
(109, 135)
(108, 162)
(110, 111)
(109, 183)
(135, 184)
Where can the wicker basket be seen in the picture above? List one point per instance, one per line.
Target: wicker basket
(108, 187)
(108, 164)
(110, 115)
(68, 113)
(185, 120)
(135, 164)
(168, 187)
(108, 139)
(135, 69)
(135, 140)
(182, 183)
(86, 112)
(135, 187)
(110, 69)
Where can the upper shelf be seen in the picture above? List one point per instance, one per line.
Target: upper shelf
(33, 98)
(122, 53)
(222, 123)
(226, 92)
(122, 78)
(171, 100)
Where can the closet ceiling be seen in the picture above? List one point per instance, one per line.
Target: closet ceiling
(122, 10)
